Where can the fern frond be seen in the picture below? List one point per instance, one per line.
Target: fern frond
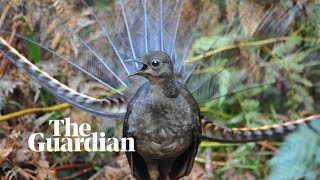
(299, 155)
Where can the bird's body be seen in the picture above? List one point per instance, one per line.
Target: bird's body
(153, 120)
(164, 119)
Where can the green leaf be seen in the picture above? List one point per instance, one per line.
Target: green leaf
(35, 51)
(299, 155)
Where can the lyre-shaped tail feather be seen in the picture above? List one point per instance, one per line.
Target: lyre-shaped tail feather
(241, 135)
(112, 107)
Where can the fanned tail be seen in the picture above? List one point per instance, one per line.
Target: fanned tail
(165, 25)
(101, 37)
(112, 107)
(241, 135)
(98, 40)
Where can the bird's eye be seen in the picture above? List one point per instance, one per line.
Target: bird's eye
(156, 63)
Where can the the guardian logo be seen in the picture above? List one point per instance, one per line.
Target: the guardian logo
(77, 138)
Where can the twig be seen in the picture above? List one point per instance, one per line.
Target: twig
(267, 145)
(234, 46)
(208, 164)
(34, 110)
(5, 64)
(71, 166)
(243, 44)
(217, 163)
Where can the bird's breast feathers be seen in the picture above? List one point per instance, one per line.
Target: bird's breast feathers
(162, 125)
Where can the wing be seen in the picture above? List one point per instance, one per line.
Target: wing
(184, 163)
(137, 164)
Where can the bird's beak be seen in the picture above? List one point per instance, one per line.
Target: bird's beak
(143, 68)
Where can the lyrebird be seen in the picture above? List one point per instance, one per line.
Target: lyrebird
(149, 41)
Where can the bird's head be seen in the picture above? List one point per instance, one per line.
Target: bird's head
(154, 65)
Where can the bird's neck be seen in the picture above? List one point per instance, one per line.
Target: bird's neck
(167, 85)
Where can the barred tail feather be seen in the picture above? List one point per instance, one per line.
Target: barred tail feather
(112, 107)
(242, 135)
